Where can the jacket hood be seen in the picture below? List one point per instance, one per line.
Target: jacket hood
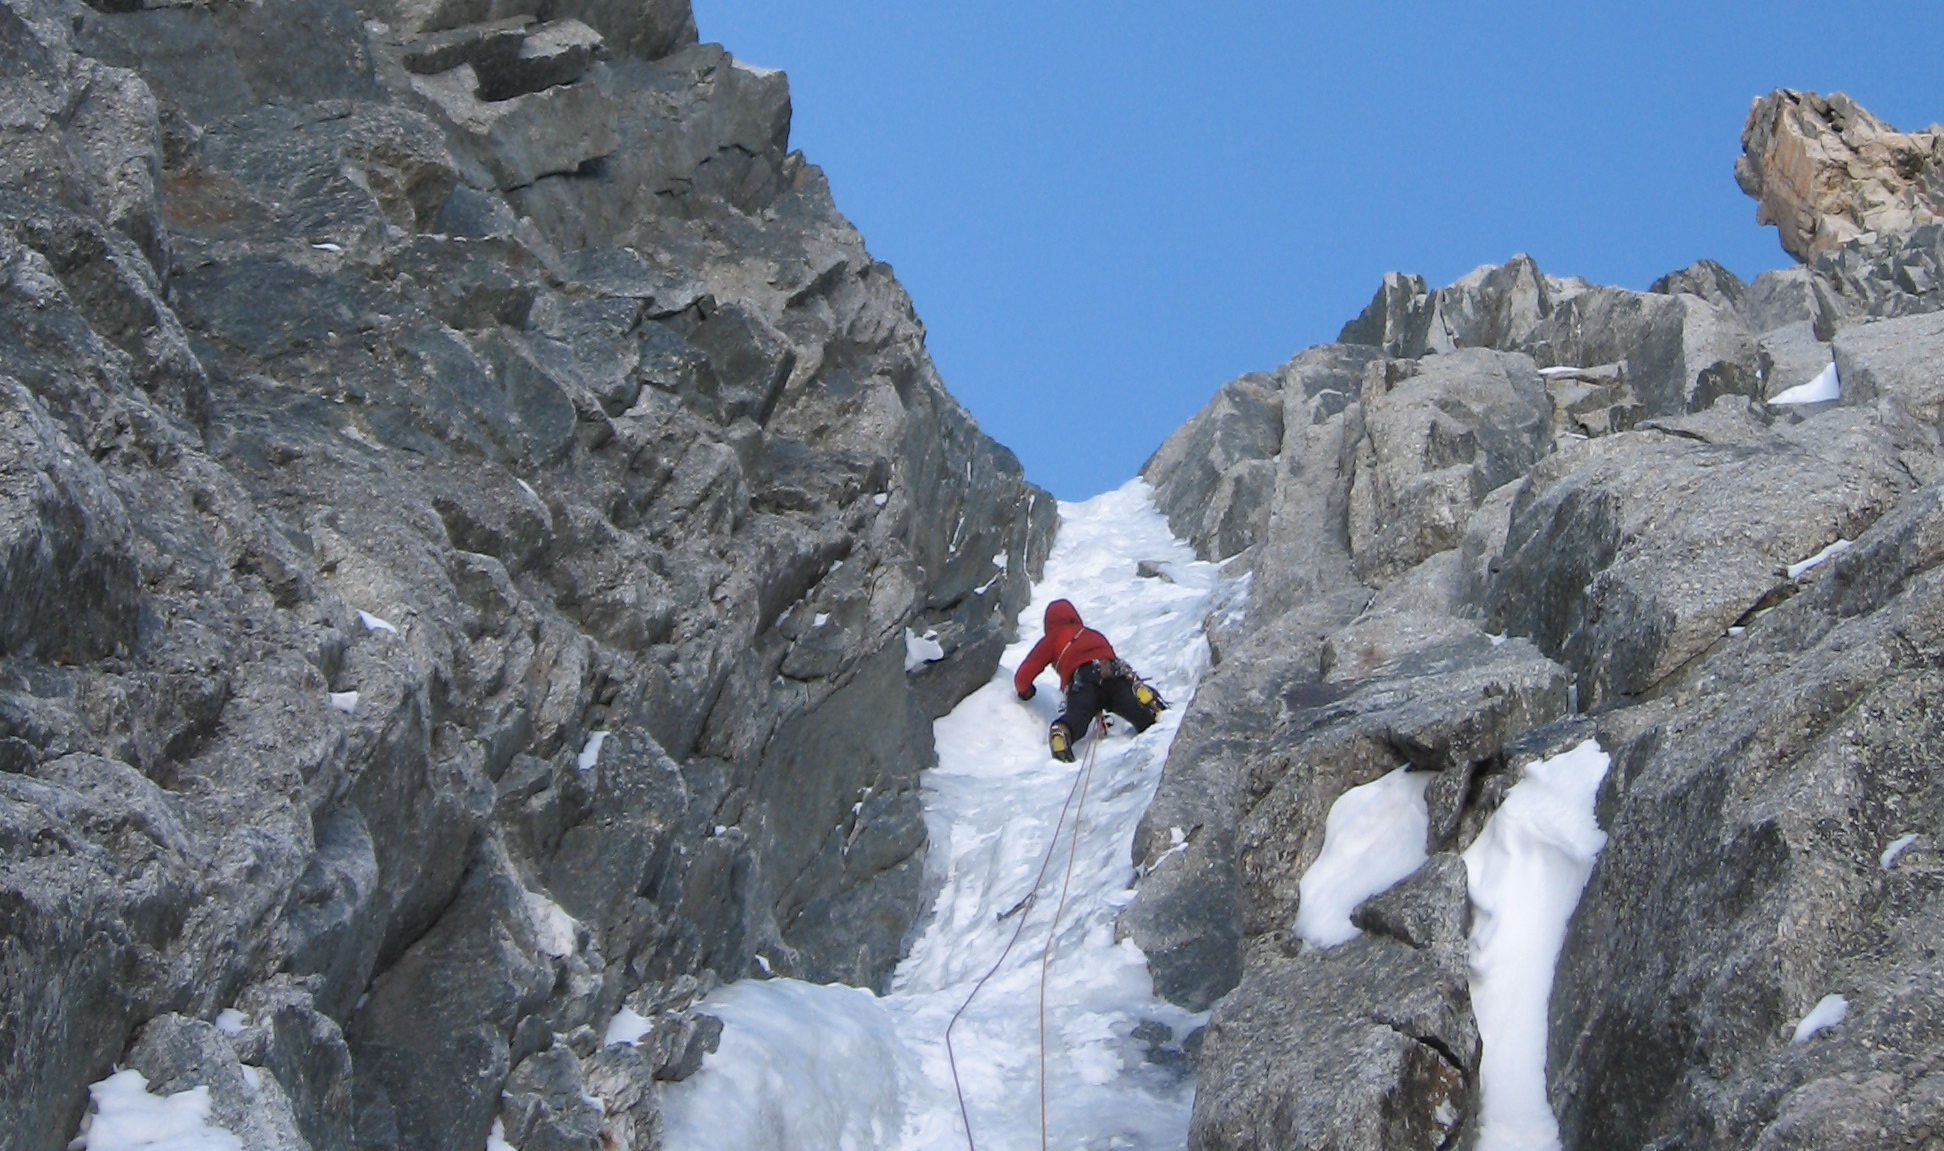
(1061, 613)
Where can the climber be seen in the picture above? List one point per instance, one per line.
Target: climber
(1090, 674)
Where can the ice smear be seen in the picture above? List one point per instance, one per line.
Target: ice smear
(922, 649)
(626, 1027)
(1829, 1011)
(1526, 872)
(1796, 571)
(1373, 838)
(230, 1021)
(1897, 847)
(590, 752)
(373, 623)
(127, 1118)
(555, 931)
(1820, 390)
(344, 701)
(832, 1067)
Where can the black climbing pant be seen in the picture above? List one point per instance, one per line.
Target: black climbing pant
(1101, 685)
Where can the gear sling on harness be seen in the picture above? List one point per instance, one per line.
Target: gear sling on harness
(1098, 686)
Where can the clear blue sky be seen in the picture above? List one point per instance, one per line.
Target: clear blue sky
(1105, 211)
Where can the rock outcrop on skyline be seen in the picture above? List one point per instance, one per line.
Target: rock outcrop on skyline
(1826, 172)
(1504, 516)
(466, 495)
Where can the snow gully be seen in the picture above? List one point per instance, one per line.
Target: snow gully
(803, 1065)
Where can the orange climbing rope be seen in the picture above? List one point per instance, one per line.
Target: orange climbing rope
(1079, 789)
(1046, 955)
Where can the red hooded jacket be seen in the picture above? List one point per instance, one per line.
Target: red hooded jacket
(1067, 644)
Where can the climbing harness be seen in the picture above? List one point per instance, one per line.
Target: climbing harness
(1081, 781)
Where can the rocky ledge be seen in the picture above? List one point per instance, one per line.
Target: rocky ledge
(1507, 515)
(467, 505)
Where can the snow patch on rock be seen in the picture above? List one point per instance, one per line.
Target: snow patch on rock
(127, 1118)
(1526, 871)
(1373, 838)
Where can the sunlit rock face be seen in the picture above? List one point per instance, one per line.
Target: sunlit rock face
(1826, 172)
(1696, 525)
(464, 491)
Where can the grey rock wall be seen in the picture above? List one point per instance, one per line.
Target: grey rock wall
(1510, 514)
(499, 366)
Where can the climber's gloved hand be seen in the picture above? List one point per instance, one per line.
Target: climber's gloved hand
(1029, 692)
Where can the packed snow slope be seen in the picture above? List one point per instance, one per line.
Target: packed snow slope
(805, 1065)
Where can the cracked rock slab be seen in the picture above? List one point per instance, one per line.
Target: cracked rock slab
(514, 142)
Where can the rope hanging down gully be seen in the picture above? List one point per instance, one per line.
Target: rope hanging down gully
(1081, 781)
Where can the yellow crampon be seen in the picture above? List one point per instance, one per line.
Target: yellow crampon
(1061, 741)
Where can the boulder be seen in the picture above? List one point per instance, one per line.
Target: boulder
(1212, 477)
(1306, 547)
(546, 1105)
(1681, 345)
(434, 1040)
(1600, 561)
(1428, 439)
(510, 57)
(119, 296)
(1680, 352)
(507, 139)
(79, 924)
(732, 144)
(648, 31)
(1785, 297)
(1791, 356)
(1447, 706)
(175, 1054)
(1368, 1044)
(1824, 172)
(303, 1050)
(1893, 367)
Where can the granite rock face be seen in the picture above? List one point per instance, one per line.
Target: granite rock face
(1519, 512)
(1825, 172)
(463, 491)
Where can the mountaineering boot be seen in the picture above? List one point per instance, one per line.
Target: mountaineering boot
(1061, 741)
